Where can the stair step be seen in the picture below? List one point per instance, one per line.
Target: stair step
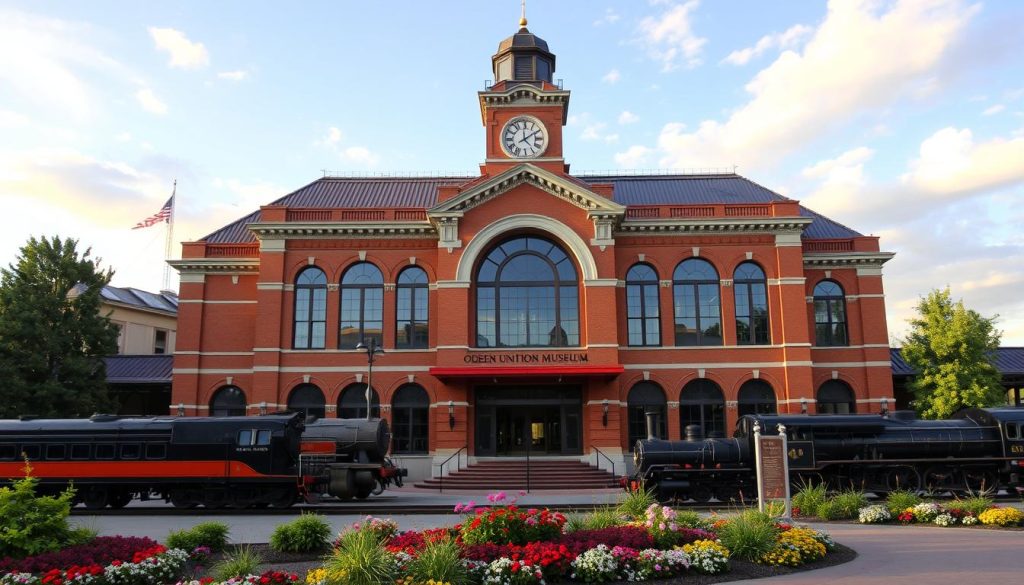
(511, 475)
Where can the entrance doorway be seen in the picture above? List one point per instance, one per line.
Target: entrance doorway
(539, 420)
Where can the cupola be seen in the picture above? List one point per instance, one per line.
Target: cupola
(523, 58)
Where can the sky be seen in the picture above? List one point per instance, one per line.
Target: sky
(902, 119)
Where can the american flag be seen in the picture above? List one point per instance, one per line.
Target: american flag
(163, 215)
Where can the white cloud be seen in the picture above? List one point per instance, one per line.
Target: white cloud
(612, 76)
(149, 102)
(593, 131)
(334, 140)
(184, 53)
(609, 17)
(9, 119)
(669, 38)
(627, 117)
(360, 155)
(859, 58)
(239, 75)
(952, 163)
(123, 137)
(784, 40)
(994, 109)
(841, 165)
(635, 156)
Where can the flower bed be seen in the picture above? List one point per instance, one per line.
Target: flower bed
(504, 544)
(155, 564)
(940, 515)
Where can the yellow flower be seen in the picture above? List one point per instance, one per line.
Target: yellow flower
(1001, 517)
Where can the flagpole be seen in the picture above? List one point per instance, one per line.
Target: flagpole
(170, 238)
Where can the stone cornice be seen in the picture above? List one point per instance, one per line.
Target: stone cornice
(317, 230)
(847, 260)
(210, 265)
(767, 225)
(518, 94)
(526, 173)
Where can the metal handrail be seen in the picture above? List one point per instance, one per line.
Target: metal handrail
(602, 454)
(458, 463)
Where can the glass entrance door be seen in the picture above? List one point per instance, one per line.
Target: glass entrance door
(543, 420)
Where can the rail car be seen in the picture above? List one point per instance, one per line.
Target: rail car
(248, 461)
(978, 450)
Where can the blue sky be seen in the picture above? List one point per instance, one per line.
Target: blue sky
(902, 118)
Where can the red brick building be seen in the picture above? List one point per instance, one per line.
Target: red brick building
(528, 307)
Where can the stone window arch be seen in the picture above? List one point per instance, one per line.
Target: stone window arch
(756, 397)
(352, 402)
(836, 397)
(702, 403)
(307, 399)
(228, 401)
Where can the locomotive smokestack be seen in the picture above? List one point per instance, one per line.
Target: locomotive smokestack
(652, 425)
(694, 433)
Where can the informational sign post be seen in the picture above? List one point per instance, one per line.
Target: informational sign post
(772, 468)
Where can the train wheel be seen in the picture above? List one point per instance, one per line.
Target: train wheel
(939, 479)
(180, 499)
(727, 494)
(120, 500)
(378, 489)
(96, 498)
(701, 494)
(285, 499)
(980, 481)
(902, 477)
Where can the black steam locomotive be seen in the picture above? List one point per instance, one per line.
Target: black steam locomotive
(978, 450)
(243, 461)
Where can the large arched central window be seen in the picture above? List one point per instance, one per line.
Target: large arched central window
(698, 316)
(362, 306)
(527, 295)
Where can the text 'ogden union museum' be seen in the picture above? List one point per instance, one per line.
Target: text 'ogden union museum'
(528, 309)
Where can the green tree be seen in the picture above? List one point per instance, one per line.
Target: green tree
(52, 335)
(951, 347)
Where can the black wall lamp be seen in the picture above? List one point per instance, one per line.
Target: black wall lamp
(803, 406)
(604, 413)
(451, 415)
(885, 406)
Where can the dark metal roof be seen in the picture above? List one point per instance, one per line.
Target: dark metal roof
(421, 193)
(1009, 361)
(165, 301)
(139, 369)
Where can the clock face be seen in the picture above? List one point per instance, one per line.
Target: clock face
(524, 137)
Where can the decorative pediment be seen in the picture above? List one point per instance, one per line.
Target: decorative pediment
(858, 260)
(518, 95)
(604, 212)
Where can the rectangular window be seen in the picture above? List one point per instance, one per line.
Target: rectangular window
(80, 452)
(31, 452)
(1012, 431)
(131, 451)
(8, 453)
(160, 342)
(156, 451)
(262, 437)
(245, 437)
(105, 451)
(55, 452)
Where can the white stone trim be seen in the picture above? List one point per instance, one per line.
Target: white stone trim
(221, 371)
(269, 286)
(714, 347)
(454, 403)
(598, 282)
(206, 302)
(453, 284)
(865, 346)
(788, 239)
(199, 277)
(865, 296)
(214, 353)
(879, 364)
(272, 245)
(483, 241)
(786, 280)
(869, 271)
(716, 366)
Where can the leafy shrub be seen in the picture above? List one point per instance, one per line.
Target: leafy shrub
(101, 550)
(899, 500)
(574, 522)
(238, 563)
(602, 518)
(809, 498)
(975, 505)
(708, 557)
(844, 505)
(749, 535)
(691, 519)
(636, 504)
(210, 534)
(307, 533)
(439, 560)
(31, 524)
(360, 559)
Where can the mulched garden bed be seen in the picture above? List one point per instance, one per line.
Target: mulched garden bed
(300, 563)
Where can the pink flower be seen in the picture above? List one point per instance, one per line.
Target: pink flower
(661, 526)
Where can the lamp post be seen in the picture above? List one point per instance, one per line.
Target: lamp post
(372, 351)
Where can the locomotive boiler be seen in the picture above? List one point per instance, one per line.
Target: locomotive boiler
(977, 450)
(351, 462)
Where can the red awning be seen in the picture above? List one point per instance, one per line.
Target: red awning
(525, 372)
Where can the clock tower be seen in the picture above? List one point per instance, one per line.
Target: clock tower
(524, 111)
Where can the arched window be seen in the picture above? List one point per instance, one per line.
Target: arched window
(836, 397)
(352, 402)
(362, 305)
(410, 419)
(310, 309)
(308, 399)
(750, 289)
(527, 296)
(642, 312)
(695, 296)
(411, 313)
(829, 314)
(702, 403)
(228, 401)
(756, 397)
(643, 398)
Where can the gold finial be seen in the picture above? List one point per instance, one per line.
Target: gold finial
(522, 19)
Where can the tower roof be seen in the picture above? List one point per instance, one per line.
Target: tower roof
(524, 58)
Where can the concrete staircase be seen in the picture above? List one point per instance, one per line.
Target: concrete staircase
(510, 474)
